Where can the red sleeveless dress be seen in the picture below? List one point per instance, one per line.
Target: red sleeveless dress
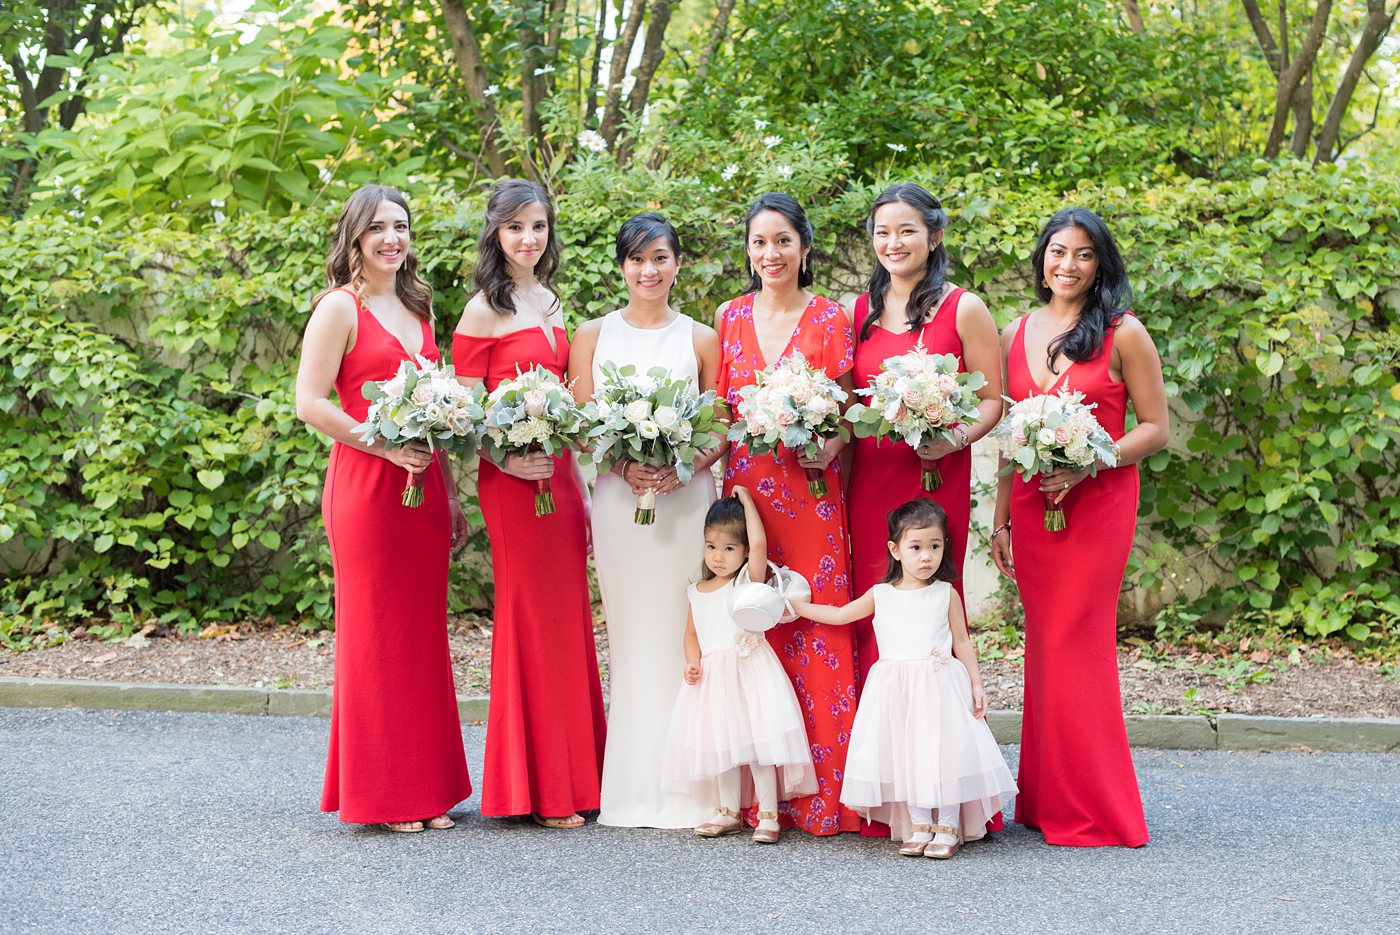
(396, 744)
(545, 725)
(1076, 777)
(886, 474)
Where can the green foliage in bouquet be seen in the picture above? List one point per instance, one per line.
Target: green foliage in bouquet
(652, 419)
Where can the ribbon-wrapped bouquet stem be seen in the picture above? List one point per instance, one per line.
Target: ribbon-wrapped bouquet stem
(1049, 431)
(916, 396)
(422, 402)
(535, 411)
(652, 419)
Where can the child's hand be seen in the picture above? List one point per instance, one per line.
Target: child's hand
(979, 701)
(742, 495)
(691, 673)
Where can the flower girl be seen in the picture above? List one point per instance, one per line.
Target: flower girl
(736, 732)
(918, 743)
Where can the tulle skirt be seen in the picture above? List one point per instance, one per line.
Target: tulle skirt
(742, 712)
(915, 742)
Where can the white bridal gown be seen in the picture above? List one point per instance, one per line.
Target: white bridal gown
(643, 572)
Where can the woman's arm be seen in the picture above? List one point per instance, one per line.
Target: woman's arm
(691, 673)
(1001, 516)
(758, 539)
(706, 343)
(966, 653)
(858, 609)
(978, 334)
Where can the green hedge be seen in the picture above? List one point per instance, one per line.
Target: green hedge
(153, 468)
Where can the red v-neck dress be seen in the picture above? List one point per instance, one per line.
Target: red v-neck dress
(1077, 781)
(885, 474)
(807, 534)
(545, 726)
(396, 744)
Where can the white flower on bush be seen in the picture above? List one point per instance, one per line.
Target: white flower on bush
(785, 171)
(544, 70)
(770, 141)
(760, 125)
(729, 172)
(491, 90)
(897, 147)
(593, 141)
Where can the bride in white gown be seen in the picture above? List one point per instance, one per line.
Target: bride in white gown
(643, 571)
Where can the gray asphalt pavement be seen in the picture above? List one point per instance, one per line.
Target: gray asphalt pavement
(139, 822)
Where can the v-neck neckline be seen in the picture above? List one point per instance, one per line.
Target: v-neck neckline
(422, 341)
(758, 346)
(1030, 371)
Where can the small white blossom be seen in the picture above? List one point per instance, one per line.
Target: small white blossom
(760, 125)
(785, 171)
(770, 141)
(729, 172)
(491, 90)
(593, 141)
(897, 147)
(543, 70)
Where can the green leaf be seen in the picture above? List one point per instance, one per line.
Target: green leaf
(212, 479)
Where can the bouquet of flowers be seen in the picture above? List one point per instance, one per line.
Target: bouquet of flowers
(793, 404)
(1045, 432)
(533, 412)
(918, 395)
(422, 403)
(652, 419)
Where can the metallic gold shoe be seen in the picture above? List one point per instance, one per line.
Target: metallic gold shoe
(943, 851)
(766, 835)
(715, 829)
(916, 848)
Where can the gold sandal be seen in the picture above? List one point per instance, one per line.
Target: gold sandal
(440, 823)
(402, 827)
(943, 851)
(916, 848)
(715, 829)
(766, 835)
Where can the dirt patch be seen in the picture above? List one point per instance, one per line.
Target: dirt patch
(1332, 683)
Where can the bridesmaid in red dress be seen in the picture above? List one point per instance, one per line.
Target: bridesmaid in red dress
(807, 534)
(545, 727)
(911, 301)
(396, 754)
(1076, 777)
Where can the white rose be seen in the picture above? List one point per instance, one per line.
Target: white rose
(666, 417)
(394, 388)
(637, 410)
(684, 431)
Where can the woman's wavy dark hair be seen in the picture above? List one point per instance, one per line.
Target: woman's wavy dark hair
(919, 514)
(923, 300)
(727, 515)
(492, 268)
(641, 229)
(345, 265)
(1109, 297)
(788, 207)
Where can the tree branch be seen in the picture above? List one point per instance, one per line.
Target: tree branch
(717, 31)
(1378, 23)
(622, 51)
(1130, 8)
(1293, 75)
(466, 51)
(1263, 36)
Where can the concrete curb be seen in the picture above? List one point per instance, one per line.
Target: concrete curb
(1155, 731)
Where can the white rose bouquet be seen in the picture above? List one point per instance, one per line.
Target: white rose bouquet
(793, 404)
(1048, 431)
(535, 411)
(422, 403)
(652, 419)
(915, 396)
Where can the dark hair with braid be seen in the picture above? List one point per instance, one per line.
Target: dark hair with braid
(788, 207)
(924, 298)
(1109, 297)
(345, 265)
(493, 277)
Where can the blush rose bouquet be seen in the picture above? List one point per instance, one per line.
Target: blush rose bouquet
(535, 411)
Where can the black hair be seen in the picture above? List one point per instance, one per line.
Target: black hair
(639, 230)
(788, 207)
(919, 514)
(727, 515)
(492, 275)
(1109, 297)
(926, 294)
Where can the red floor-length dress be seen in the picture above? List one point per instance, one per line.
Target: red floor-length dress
(886, 474)
(545, 725)
(808, 535)
(1077, 782)
(396, 744)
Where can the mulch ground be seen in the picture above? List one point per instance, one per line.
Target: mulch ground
(1155, 679)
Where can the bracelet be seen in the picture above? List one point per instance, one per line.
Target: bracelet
(453, 500)
(962, 434)
(1004, 527)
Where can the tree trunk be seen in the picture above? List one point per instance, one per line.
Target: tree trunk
(590, 117)
(717, 33)
(622, 51)
(467, 53)
(1378, 23)
(652, 53)
(1130, 9)
(1302, 118)
(1264, 37)
(1293, 73)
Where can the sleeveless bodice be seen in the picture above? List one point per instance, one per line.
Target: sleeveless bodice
(670, 346)
(939, 335)
(714, 625)
(1090, 377)
(912, 624)
(376, 356)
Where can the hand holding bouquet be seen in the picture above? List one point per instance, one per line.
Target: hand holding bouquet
(533, 412)
(1050, 431)
(654, 420)
(918, 395)
(793, 404)
(422, 403)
